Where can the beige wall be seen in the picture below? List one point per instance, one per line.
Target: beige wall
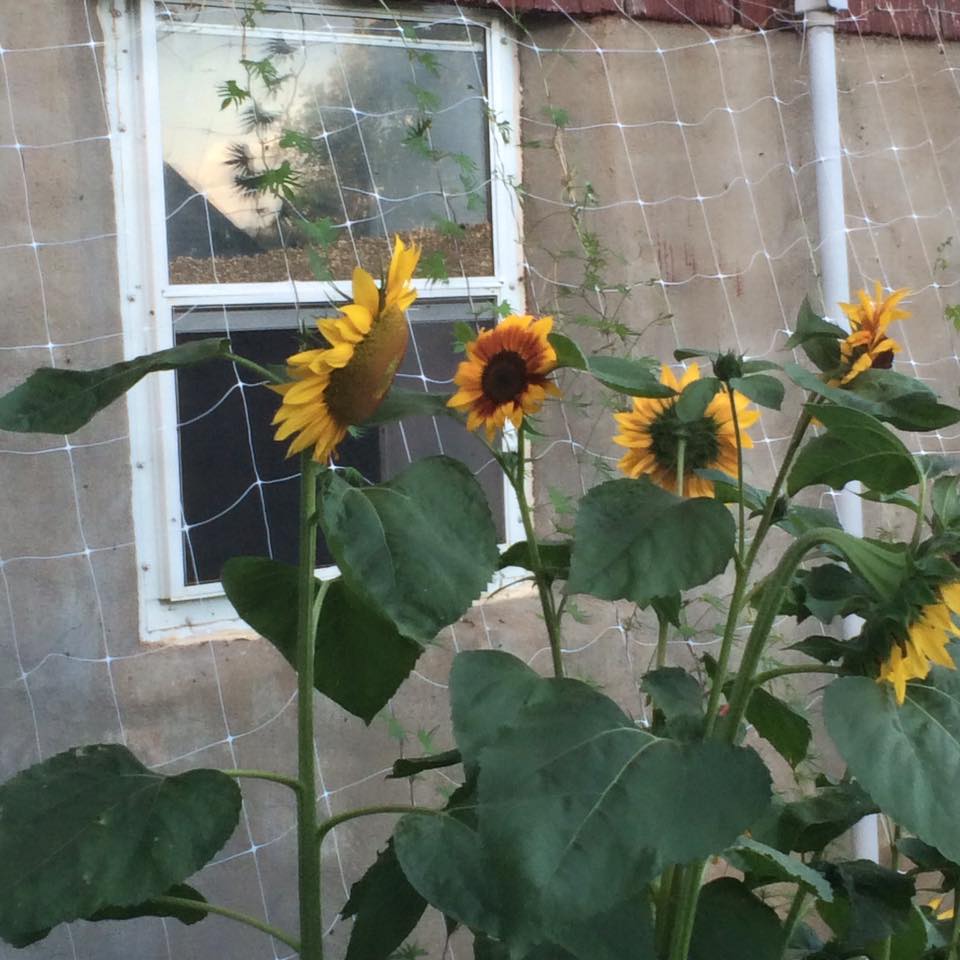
(71, 666)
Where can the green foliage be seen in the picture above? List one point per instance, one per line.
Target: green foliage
(783, 727)
(554, 558)
(399, 404)
(762, 865)
(762, 389)
(568, 353)
(856, 446)
(692, 403)
(419, 549)
(819, 339)
(733, 924)
(676, 694)
(93, 830)
(61, 401)
(636, 378)
(361, 657)
(386, 907)
(636, 541)
(907, 757)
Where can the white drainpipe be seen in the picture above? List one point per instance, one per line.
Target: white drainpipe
(819, 22)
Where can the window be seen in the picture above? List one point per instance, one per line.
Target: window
(263, 150)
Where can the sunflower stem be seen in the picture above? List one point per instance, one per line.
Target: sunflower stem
(267, 375)
(394, 808)
(742, 517)
(681, 466)
(309, 600)
(761, 678)
(663, 631)
(793, 917)
(953, 953)
(543, 583)
(921, 507)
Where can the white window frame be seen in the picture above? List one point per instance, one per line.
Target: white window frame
(171, 610)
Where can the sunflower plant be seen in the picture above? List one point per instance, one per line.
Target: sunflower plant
(577, 830)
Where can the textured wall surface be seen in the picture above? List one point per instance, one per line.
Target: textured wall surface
(696, 144)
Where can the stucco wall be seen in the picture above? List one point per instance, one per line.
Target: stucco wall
(71, 666)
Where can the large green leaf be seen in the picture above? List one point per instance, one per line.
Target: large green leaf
(635, 541)
(447, 865)
(766, 864)
(488, 688)
(61, 401)
(732, 924)
(809, 824)
(907, 757)
(777, 722)
(386, 907)
(765, 390)
(420, 548)
(900, 401)
(636, 378)
(568, 352)
(399, 404)
(578, 806)
(819, 338)
(361, 658)
(93, 828)
(855, 447)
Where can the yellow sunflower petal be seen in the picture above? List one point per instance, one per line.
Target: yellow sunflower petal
(365, 293)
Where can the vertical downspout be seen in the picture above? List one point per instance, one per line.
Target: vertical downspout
(819, 21)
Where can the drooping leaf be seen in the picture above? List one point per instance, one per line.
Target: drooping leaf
(855, 447)
(908, 943)
(488, 688)
(568, 353)
(386, 907)
(399, 404)
(819, 338)
(61, 401)
(907, 757)
(900, 401)
(675, 692)
(420, 548)
(879, 563)
(361, 658)
(725, 490)
(945, 501)
(411, 766)
(820, 647)
(695, 397)
(636, 378)
(732, 924)
(928, 858)
(783, 727)
(92, 828)
(579, 806)
(765, 864)
(554, 557)
(761, 388)
(635, 541)
(799, 519)
(871, 902)
(809, 824)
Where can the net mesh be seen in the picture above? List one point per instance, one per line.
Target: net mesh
(667, 199)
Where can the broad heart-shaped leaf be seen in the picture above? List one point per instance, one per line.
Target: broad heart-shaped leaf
(778, 723)
(386, 906)
(61, 401)
(579, 807)
(420, 548)
(765, 865)
(399, 404)
(732, 924)
(900, 401)
(855, 447)
(361, 658)
(907, 757)
(635, 541)
(488, 688)
(636, 378)
(93, 828)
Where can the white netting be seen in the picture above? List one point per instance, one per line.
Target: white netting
(668, 185)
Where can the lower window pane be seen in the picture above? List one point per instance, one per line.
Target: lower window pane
(239, 492)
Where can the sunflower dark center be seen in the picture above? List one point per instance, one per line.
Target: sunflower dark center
(504, 377)
(702, 447)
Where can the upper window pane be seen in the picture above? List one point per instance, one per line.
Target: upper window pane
(338, 131)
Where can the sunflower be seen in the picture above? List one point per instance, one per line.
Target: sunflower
(505, 375)
(867, 344)
(652, 431)
(334, 388)
(926, 643)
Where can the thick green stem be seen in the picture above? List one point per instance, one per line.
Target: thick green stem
(395, 808)
(290, 782)
(793, 917)
(886, 948)
(921, 507)
(663, 632)
(667, 897)
(686, 915)
(543, 583)
(186, 903)
(741, 510)
(308, 850)
(681, 464)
